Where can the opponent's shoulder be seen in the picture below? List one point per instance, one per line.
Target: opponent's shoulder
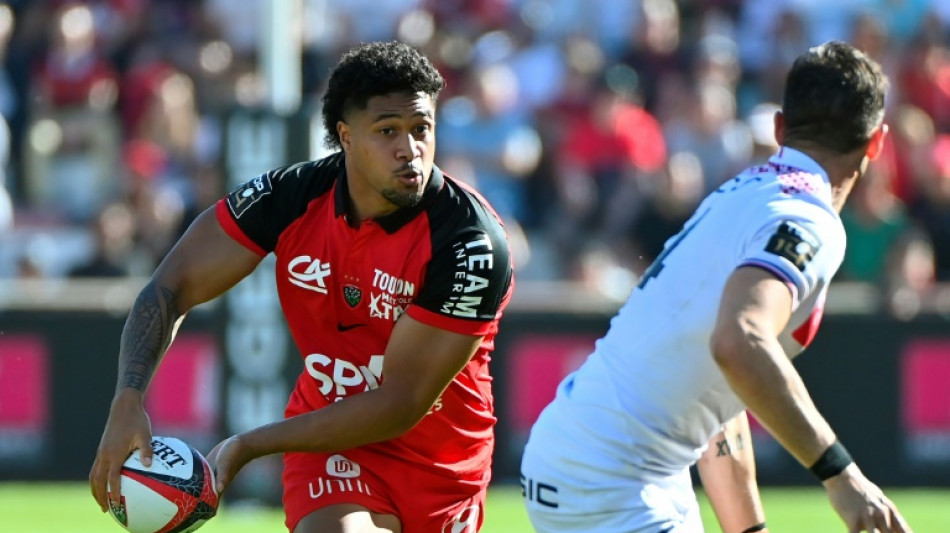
(811, 212)
(801, 240)
(770, 192)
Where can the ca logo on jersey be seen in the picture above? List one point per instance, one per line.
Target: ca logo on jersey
(309, 273)
(795, 243)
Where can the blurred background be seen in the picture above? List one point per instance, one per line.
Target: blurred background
(593, 126)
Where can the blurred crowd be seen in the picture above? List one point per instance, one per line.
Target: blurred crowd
(593, 126)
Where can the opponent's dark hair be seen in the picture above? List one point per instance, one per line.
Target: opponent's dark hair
(834, 98)
(375, 69)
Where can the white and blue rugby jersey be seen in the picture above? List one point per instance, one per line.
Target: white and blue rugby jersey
(651, 394)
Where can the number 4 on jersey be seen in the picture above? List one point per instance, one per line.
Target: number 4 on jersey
(657, 266)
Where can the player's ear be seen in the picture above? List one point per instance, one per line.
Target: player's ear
(779, 121)
(343, 131)
(876, 144)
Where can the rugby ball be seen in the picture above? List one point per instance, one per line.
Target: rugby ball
(174, 495)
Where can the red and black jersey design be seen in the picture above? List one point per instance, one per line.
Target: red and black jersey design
(444, 262)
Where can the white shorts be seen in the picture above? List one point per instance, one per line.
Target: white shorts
(571, 489)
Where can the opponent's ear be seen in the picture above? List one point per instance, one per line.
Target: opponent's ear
(876, 144)
(779, 123)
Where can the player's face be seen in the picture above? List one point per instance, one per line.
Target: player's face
(390, 148)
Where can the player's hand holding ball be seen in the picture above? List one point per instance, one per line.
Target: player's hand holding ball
(174, 493)
(226, 459)
(127, 429)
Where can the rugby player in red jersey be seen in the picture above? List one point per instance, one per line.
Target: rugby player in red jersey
(392, 277)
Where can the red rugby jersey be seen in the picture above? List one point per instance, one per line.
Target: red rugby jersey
(445, 262)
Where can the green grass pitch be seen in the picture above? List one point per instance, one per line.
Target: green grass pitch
(68, 507)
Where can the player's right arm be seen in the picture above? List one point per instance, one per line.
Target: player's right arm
(202, 265)
(756, 306)
(727, 471)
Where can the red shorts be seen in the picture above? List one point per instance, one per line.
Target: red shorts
(422, 500)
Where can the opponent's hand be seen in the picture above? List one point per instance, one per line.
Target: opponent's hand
(127, 429)
(862, 505)
(226, 459)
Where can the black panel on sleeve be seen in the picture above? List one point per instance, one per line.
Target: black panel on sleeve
(470, 270)
(264, 206)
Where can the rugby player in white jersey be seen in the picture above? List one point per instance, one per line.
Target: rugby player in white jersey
(709, 332)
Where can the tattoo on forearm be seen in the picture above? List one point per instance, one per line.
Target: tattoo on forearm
(147, 334)
(723, 448)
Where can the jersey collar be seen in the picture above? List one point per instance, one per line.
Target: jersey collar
(790, 157)
(791, 160)
(399, 218)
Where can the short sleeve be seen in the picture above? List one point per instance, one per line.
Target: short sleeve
(467, 283)
(257, 212)
(245, 212)
(802, 250)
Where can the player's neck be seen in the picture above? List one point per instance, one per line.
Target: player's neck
(364, 202)
(843, 170)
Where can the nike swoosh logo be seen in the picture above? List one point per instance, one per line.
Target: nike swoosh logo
(341, 327)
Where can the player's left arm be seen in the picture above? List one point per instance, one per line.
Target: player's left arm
(727, 471)
(420, 362)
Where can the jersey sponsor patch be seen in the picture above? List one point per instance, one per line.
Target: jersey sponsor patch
(795, 243)
(474, 264)
(248, 194)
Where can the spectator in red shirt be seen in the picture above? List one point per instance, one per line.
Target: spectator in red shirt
(601, 166)
(74, 74)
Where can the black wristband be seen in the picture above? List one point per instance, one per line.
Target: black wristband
(831, 463)
(753, 529)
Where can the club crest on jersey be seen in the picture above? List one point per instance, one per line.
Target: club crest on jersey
(352, 295)
(795, 243)
(248, 194)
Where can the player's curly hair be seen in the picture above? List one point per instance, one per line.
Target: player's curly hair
(375, 69)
